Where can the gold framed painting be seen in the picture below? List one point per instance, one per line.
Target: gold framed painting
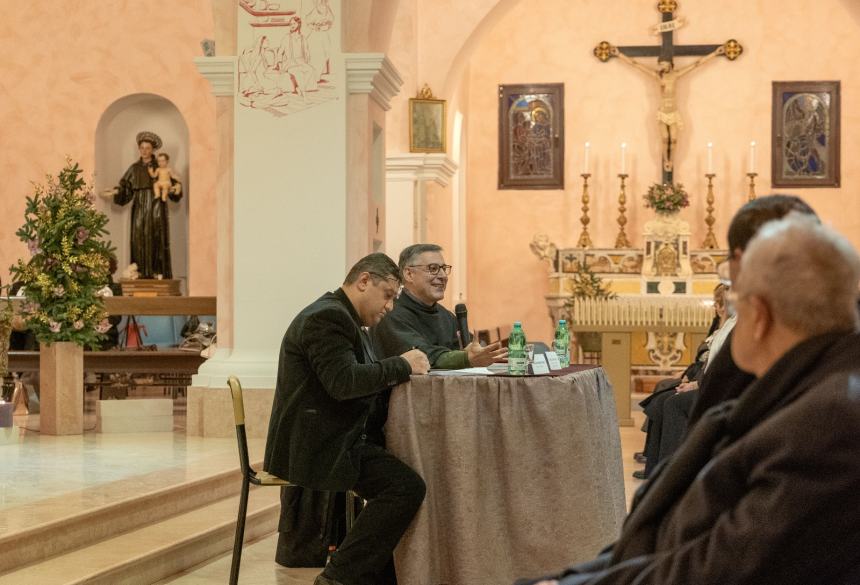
(805, 134)
(427, 125)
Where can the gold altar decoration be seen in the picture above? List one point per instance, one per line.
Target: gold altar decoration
(710, 242)
(621, 241)
(752, 177)
(584, 238)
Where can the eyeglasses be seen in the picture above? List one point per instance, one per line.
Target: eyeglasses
(434, 269)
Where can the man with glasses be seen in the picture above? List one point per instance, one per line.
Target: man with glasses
(419, 321)
(331, 402)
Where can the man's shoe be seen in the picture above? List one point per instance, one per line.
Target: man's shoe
(640, 457)
(323, 580)
(640, 474)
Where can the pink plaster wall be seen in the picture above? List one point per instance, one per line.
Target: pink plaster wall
(65, 63)
(727, 103)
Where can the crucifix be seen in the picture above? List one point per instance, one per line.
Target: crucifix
(668, 116)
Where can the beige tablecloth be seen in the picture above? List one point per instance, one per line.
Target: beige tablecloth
(523, 475)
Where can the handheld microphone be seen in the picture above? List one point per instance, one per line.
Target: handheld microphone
(463, 324)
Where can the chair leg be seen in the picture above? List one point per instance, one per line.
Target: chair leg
(240, 532)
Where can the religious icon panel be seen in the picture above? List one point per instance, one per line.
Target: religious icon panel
(531, 136)
(805, 134)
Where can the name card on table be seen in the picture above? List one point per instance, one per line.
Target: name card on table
(552, 358)
(539, 365)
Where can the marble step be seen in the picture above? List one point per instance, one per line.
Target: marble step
(176, 495)
(158, 550)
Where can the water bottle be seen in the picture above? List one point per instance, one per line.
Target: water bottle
(562, 343)
(518, 361)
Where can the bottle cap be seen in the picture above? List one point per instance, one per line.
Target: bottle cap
(562, 322)
(517, 324)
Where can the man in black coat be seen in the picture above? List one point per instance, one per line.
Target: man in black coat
(331, 402)
(750, 498)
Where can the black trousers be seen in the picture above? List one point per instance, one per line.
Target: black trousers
(667, 426)
(394, 493)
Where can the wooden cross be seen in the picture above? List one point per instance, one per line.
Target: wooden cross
(668, 115)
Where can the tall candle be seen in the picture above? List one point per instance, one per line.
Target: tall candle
(710, 158)
(752, 157)
(585, 164)
(623, 158)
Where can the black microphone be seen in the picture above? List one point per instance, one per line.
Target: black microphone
(463, 324)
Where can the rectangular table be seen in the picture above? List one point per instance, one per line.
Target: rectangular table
(523, 474)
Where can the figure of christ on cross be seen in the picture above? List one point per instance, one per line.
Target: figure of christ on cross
(668, 115)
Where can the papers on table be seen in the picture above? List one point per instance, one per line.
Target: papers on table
(463, 372)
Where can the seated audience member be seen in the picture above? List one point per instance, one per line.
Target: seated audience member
(749, 499)
(724, 380)
(330, 406)
(669, 406)
(419, 321)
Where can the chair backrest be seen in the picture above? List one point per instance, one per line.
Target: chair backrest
(239, 418)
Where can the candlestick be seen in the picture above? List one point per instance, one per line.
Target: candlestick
(584, 238)
(621, 241)
(710, 242)
(585, 163)
(623, 158)
(710, 158)
(752, 157)
(752, 177)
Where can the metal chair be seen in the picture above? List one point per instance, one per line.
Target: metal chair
(260, 478)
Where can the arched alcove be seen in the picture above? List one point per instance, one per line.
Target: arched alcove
(116, 149)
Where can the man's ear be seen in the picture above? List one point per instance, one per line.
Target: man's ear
(363, 281)
(762, 317)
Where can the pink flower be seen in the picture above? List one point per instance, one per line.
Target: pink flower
(82, 234)
(78, 325)
(54, 326)
(103, 326)
(33, 247)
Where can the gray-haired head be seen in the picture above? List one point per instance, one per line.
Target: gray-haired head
(378, 265)
(807, 272)
(411, 253)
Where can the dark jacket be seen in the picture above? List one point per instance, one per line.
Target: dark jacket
(764, 490)
(328, 387)
(412, 324)
(722, 381)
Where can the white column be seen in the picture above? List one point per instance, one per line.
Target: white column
(406, 175)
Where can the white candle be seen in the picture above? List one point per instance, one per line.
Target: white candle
(752, 157)
(585, 164)
(623, 158)
(710, 158)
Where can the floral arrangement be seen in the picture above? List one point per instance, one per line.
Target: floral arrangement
(666, 198)
(585, 284)
(69, 261)
(5, 330)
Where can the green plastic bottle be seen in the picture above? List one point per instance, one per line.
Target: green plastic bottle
(562, 343)
(518, 361)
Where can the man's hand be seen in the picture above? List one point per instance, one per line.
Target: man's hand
(687, 386)
(108, 193)
(484, 356)
(417, 361)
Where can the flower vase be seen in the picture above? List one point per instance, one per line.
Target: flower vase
(61, 372)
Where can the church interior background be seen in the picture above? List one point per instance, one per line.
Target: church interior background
(284, 192)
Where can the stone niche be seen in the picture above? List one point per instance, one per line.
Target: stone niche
(116, 150)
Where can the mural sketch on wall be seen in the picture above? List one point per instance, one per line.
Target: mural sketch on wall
(287, 66)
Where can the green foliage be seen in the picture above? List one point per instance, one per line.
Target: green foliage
(69, 260)
(5, 329)
(585, 284)
(664, 198)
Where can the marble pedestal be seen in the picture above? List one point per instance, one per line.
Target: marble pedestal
(61, 373)
(135, 416)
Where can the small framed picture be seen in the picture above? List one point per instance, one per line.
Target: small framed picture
(805, 134)
(427, 125)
